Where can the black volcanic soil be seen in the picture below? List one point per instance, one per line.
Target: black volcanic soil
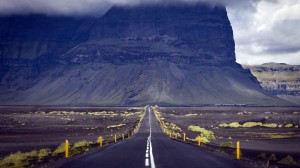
(30, 128)
(280, 140)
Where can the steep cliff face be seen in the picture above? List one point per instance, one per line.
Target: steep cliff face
(281, 80)
(171, 55)
(34, 36)
(35, 42)
(183, 33)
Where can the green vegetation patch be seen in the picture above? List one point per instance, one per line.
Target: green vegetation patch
(234, 125)
(227, 144)
(272, 125)
(289, 125)
(289, 160)
(128, 114)
(26, 159)
(17, 159)
(80, 147)
(249, 124)
(230, 125)
(83, 143)
(116, 126)
(205, 135)
(43, 153)
(173, 127)
(252, 124)
(59, 150)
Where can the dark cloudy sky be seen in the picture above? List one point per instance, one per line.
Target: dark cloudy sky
(264, 30)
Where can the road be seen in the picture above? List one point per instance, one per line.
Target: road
(150, 147)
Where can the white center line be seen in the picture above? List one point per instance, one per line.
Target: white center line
(147, 162)
(149, 147)
(151, 157)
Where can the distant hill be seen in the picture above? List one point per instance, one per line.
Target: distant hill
(166, 55)
(279, 79)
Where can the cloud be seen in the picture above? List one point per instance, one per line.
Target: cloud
(86, 7)
(267, 31)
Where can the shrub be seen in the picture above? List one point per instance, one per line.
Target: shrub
(205, 135)
(33, 153)
(288, 125)
(227, 144)
(273, 157)
(174, 127)
(289, 160)
(17, 159)
(230, 125)
(60, 149)
(252, 124)
(262, 155)
(83, 143)
(116, 126)
(234, 125)
(272, 125)
(43, 153)
(224, 125)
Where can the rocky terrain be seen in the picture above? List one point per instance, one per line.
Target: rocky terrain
(166, 55)
(281, 80)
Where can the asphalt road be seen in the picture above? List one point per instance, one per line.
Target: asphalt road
(150, 147)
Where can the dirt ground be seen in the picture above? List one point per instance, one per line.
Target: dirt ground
(280, 140)
(31, 128)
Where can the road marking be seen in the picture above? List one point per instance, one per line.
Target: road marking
(151, 157)
(149, 146)
(147, 162)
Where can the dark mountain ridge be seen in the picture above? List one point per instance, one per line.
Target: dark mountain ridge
(175, 55)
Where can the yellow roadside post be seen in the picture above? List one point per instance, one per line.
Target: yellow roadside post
(67, 149)
(128, 135)
(115, 138)
(238, 150)
(123, 137)
(100, 141)
(184, 137)
(198, 140)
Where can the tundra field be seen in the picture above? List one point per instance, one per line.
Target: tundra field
(29, 128)
(267, 134)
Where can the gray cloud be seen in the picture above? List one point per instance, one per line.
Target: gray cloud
(88, 7)
(267, 31)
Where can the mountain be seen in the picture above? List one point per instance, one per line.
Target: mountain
(281, 80)
(166, 55)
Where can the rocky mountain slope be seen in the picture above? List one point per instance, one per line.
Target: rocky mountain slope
(281, 80)
(167, 55)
